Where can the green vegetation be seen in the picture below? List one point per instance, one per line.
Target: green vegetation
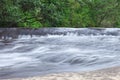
(59, 13)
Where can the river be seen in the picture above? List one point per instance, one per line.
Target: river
(25, 53)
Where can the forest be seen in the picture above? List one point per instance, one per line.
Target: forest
(59, 13)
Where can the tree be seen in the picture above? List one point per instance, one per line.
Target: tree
(101, 12)
(56, 13)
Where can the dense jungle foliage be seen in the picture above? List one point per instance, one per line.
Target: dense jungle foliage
(59, 13)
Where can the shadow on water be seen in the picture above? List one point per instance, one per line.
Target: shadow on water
(13, 33)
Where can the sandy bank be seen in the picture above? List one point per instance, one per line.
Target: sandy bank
(104, 74)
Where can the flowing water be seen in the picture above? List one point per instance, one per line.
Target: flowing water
(45, 51)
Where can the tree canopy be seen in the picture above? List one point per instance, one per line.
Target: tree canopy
(59, 13)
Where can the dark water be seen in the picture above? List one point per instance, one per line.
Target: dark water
(38, 52)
